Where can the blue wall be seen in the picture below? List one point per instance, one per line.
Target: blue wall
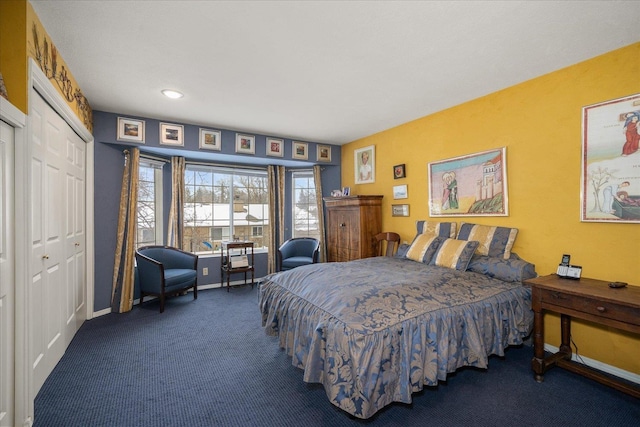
(109, 166)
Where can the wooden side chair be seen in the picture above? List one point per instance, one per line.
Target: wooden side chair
(392, 241)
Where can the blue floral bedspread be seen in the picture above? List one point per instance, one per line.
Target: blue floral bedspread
(376, 330)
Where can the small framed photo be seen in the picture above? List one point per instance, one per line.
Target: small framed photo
(300, 150)
(365, 165)
(245, 144)
(130, 130)
(346, 191)
(399, 171)
(171, 134)
(400, 192)
(399, 210)
(324, 153)
(210, 139)
(275, 147)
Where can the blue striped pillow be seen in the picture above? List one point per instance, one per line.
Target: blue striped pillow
(423, 247)
(455, 254)
(442, 229)
(494, 241)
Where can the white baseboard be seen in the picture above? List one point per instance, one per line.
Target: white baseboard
(200, 288)
(592, 363)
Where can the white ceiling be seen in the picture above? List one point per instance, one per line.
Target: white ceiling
(322, 71)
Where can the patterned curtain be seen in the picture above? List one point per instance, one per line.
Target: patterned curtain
(175, 230)
(123, 268)
(281, 179)
(273, 227)
(318, 183)
(276, 175)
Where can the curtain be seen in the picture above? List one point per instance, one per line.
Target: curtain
(175, 231)
(276, 176)
(281, 176)
(273, 227)
(123, 268)
(318, 183)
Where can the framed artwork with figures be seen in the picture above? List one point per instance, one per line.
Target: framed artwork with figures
(365, 165)
(611, 161)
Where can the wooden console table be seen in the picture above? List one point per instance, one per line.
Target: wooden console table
(226, 267)
(587, 299)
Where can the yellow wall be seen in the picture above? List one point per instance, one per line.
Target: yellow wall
(539, 121)
(13, 50)
(23, 36)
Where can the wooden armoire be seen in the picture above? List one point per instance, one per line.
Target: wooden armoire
(351, 223)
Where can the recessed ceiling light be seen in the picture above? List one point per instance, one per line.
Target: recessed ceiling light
(173, 94)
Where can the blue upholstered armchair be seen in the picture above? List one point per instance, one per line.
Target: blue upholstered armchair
(164, 271)
(298, 251)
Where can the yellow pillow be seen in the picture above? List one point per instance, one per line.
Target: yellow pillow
(423, 247)
(455, 254)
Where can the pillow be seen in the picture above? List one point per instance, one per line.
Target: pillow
(513, 269)
(494, 241)
(456, 254)
(442, 229)
(423, 247)
(402, 251)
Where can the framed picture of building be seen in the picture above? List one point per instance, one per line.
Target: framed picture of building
(471, 185)
(610, 161)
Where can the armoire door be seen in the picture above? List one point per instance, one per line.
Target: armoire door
(57, 279)
(7, 275)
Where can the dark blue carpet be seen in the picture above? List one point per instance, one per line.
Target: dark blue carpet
(208, 363)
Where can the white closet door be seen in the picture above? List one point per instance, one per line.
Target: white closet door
(57, 237)
(74, 217)
(7, 275)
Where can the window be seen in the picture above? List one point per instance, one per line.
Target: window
(224, 204)
(256, 231)
(149, 218)
(304, 206)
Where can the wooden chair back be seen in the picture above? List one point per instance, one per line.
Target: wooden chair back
(392, 241)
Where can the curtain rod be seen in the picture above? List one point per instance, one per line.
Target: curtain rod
(222, 165)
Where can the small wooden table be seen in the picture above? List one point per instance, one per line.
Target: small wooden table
(226, 267)
(587, 299)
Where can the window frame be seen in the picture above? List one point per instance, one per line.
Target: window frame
(243, 202)
(157, 166)
(305, 174)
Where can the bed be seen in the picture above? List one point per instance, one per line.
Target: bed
(374, 331)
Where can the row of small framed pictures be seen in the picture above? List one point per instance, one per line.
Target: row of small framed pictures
(132, 130)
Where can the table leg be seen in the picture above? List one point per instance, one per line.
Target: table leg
(537, 363)
(565, 328)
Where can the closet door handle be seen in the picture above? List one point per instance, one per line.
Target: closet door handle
(342, 224)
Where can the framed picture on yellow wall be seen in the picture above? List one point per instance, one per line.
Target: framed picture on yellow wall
(365, 165)
(610, 161)
(471, 185)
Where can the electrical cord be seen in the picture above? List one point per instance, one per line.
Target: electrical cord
(578, 356)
